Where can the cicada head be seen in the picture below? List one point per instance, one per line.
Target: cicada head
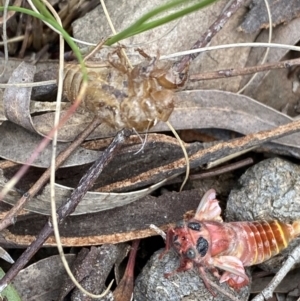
(192, 241)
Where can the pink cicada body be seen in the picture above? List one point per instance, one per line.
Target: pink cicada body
(208, 243)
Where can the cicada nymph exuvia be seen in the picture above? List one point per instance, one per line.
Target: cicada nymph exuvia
(208, 243)
(125, 97)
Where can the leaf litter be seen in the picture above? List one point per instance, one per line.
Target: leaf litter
(215, 109)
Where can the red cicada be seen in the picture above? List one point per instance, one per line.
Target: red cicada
(208, 243)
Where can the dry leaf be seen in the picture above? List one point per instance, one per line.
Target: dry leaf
(101, 265)
(282, 11)
(194, 110)
(274, 88)
(199, 109)
(42, 280)
(16, 144)
(16, 100)
(91, 202)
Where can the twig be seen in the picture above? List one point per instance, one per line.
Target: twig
(67, 208)
(244, 71)
(28, 31)
(217, 151)
(209, 34)
(4, 37)
(9, 219)
(158, 231)
(214, 172)
(267, 293)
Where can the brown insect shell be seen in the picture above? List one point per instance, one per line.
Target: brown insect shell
(101, 96)
(171, 79)
(134, 99)
(148, 100)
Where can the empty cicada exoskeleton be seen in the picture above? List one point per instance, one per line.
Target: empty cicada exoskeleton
(124, 97)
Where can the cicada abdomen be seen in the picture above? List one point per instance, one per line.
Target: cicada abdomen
(258, 241)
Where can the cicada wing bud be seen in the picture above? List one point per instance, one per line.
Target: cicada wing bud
(235, 274)
(209, 208)
(233, 280)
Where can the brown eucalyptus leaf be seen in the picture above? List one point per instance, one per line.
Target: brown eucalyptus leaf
(45, 70)
(260, 118)
(16, 100)
(81, 267)
(158, 151)
(275, 88)
(17, 144)
(91, 202)
(282, 11)
(111, 226)
(42, 280)
(124, 289)
(225, 110)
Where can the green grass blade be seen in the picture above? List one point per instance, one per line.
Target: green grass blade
(9, 293)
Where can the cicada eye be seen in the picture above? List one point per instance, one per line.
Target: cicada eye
(202, 246)
(190, 253)
(194, 226)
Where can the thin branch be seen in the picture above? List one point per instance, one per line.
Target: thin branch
(244, 71)
(67, 208)
(228, 46)
(214, 172)
(4, 37)
(210, 33)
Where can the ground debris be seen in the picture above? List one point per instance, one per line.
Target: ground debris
(282, 11)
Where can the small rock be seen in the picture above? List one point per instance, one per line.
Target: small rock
(151, 284)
